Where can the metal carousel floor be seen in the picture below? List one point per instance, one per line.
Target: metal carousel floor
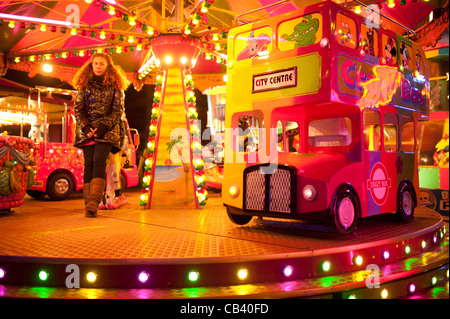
(169, 245)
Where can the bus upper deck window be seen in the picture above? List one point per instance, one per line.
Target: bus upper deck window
(419, 63)
(347, 34)
(369, 41)
(372, 130)
(254, 43)
(300, 32)
(330, 132)
(389, 50)
(405, 57)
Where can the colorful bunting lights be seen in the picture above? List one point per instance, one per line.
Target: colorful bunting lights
(78, 53)
(197, 17)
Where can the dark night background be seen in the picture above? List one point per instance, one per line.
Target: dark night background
(137, 104)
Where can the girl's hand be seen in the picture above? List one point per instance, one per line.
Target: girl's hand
(91, 132)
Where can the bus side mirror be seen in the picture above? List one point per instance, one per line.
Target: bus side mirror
(136, 140)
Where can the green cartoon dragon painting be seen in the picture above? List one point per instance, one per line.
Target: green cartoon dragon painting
(304, 32)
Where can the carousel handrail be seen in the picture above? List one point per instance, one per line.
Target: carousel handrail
(255, 10)
(387, 17)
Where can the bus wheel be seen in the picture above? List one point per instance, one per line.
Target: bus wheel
(406, 202)
(345, 210)
(238, 219)
(59, 186)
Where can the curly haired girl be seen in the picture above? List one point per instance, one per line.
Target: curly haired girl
(98, 109)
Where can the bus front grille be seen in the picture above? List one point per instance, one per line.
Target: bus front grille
(256, 191)
(272, 192)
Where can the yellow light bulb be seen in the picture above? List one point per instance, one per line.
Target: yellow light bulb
(91, 277)
(168, 59)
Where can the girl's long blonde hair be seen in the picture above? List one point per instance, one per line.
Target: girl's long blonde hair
(114, 75)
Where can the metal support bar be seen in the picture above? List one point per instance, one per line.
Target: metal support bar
(255, 10)
(385, 16)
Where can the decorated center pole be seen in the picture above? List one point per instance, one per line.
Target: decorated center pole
(173, 170)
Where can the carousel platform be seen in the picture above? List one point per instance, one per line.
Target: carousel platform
(50, 250)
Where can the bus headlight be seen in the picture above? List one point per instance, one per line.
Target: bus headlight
(309, 192)
(233, 191)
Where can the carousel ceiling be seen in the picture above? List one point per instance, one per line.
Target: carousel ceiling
(63, 33)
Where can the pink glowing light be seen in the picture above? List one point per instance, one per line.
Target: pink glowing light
(14, 17)
(288, 270)
(143, 277)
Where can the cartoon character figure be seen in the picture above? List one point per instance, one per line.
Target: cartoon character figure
(304, 32)
(36, 132)
(390, 51)
(346, 34)
(428, 199)
(369, 42)
(406, 58)
(418, 64)
(254, 46)
(247, 137)
(435, 98)
(441, 156)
